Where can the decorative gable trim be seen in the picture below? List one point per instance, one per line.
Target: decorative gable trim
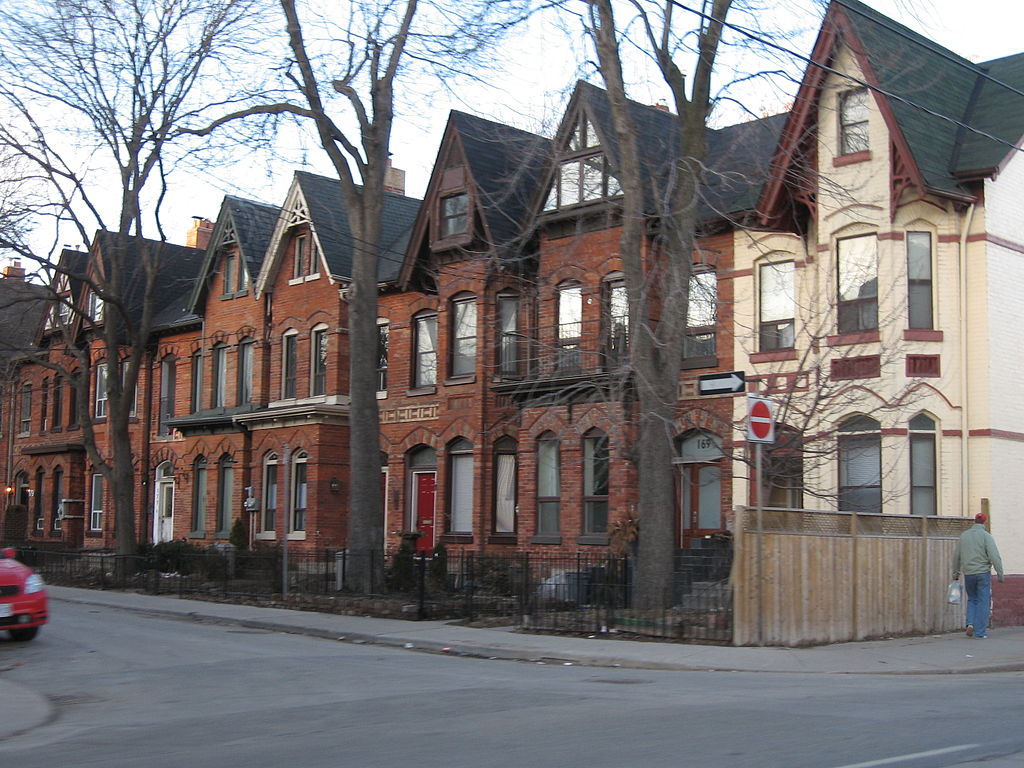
(294, 212)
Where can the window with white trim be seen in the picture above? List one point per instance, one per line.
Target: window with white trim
(919, 280)
(549, 485)
(595, 483)
(100, 409)
(300, 491)
(853, 121)
(923, 491)
(200, 479)
(219, 373)
(505, 482)
(570, 327)
(318, 364)
(858, 283)
(383, 332)
(269, 523)
(225, 493)
(860, 465)
(96, 503)
(289, 363)
(425, 350)
(701, 315)
(463, 339)
(246, 351)
(777, 306)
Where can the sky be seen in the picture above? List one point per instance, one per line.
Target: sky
(531, 94)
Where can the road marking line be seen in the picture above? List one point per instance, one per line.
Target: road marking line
(914, 756)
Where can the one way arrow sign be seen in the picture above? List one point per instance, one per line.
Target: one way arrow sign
(729, 383)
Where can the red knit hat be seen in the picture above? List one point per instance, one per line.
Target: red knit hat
(981, 517)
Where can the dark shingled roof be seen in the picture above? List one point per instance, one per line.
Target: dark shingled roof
(929, 83)
(330, 224)
(23, 306)
(738, 158)
(506, 165)
(253, 225)
(179, 267)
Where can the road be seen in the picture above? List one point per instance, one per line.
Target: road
(132, 689)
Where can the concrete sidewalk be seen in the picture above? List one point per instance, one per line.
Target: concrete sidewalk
(1002, 651)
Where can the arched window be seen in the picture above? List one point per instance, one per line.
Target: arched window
(197, 381)
(860, 465)
(701, 317)
(246, 350)
(38, 501)
(269, 524)
(225, 494)
(505, 483)
(570, 327)
(549, 485)
(923, 492)
(615, 321)
(462, 324)
(25, 416)
(595, 483)
(100, 400)
(300, 491)
(57, 501)
(163, 512)
(96, 503)
(168, 386)
(460, 486)
(509, 336)
(199, 488)
(21, 489)
(289, 363)
(318, 361)
(219, 374)
(425, 350)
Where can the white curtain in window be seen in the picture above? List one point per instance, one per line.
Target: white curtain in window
(505, 494)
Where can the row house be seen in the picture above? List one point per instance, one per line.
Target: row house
(856, 258)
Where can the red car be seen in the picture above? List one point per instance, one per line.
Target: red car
(22, 597)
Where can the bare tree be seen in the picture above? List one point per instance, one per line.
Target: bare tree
(97, 92)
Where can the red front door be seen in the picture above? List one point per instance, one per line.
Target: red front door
(424, 484)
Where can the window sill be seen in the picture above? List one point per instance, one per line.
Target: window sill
(773, 356)
(196, 535)
(849, 339)
(690, 363)
(416, 391)
(921, 334)
(382, 394)
(469, 378)
(851, 159)
(266, 536)
(297, 536)
(599, 539)
(457, 538)
(546, 538)
(505, 539)
(304, 279)
(235, 295)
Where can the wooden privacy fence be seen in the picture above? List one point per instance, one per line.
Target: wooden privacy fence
(803, 577)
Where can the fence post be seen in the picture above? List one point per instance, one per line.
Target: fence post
(524, 594)
(855, 578)
(470, 585)
(421, 577)
(339, 570)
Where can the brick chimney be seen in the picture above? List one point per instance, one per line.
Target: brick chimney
(14, 271)
(394, 179)
(199, 235)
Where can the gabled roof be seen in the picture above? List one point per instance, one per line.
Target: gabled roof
(178, 268)
(506, 165)
(246, 223)
(318, 200)
(738, 156)
(23, 306)
(329, 222)
(934, 101)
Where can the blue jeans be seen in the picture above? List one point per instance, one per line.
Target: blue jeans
(979, 597)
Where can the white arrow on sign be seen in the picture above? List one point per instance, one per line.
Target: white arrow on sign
(726, 382)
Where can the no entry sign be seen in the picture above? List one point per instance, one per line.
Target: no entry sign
(760, 420)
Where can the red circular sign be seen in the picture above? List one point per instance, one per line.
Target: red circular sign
(760, 419)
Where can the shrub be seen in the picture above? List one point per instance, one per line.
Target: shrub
(401, 576)
(439, 566)
(239, 535)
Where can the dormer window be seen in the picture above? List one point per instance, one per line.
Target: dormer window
(454, 214)
(95, 308)
(853, 121)
(583, 175)
(305, 263)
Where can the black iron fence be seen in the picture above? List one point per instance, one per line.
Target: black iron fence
(578, 593)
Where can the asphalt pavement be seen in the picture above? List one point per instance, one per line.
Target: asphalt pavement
(953, 653)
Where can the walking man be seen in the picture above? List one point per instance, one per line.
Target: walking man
(976, 555)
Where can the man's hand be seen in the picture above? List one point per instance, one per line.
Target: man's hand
(1001, 578)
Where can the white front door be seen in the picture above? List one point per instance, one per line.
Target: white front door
(163, 507)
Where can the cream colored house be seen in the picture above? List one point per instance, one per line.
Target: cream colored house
(880, 306)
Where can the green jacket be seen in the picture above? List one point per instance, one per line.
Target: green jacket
(976, 552)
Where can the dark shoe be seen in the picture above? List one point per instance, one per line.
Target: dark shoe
(981, 637)
(970, 630)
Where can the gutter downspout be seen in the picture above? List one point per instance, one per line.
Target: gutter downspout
(965, 400)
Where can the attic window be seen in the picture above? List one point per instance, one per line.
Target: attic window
(582, 180)
(454, 214)
(853, 121)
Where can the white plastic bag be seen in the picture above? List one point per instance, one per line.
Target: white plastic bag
(954, 592)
